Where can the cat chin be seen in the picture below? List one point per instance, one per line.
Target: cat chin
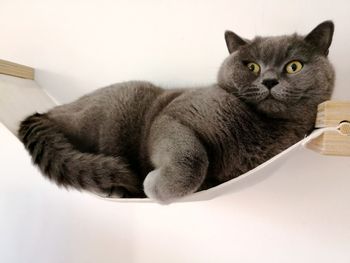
(272, 107)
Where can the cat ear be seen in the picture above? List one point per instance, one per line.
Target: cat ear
(233, 41)
(321, 36)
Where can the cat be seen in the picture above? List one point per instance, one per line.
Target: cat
(135, 139)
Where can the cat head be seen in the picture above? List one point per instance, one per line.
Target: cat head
(279, 75)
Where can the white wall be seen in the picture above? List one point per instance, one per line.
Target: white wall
(80, 45)
(300, 214)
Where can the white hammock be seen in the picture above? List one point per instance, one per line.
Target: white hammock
(21, 97)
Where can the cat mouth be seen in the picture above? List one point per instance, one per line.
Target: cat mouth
(269, 97)
(271, 105)
(273, 97)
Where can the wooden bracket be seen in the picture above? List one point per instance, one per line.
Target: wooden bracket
(337, 142)
(16, 70)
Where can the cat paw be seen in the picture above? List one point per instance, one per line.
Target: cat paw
(153, 189)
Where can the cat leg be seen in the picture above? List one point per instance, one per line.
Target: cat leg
(179, 158)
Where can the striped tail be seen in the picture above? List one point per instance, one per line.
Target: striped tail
(61, 162)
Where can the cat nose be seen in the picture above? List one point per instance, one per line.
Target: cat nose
(269, 83)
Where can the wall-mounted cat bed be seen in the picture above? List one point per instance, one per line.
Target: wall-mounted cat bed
(21, 96)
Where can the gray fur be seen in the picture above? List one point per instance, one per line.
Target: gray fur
(133, 138)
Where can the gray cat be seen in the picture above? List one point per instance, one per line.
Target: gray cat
(135, 139)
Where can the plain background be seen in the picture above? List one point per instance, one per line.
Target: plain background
(300, 214)
(77, 46)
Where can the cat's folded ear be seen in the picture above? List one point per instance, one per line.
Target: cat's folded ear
(233, 41)
(321, 37)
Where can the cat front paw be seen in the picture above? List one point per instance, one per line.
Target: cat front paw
(155, 189)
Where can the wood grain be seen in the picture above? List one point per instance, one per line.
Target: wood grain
(332, 114)
(331, 143)
(16, 70)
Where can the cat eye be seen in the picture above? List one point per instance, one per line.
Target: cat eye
(293, 67)
(254, 67)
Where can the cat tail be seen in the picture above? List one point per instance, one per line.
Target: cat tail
(58, 159)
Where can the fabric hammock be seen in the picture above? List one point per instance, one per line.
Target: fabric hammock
(20, 97)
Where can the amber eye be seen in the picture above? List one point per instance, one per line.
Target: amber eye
(254, 67)
(294, 67)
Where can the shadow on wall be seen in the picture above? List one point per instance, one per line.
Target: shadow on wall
(55, 82)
